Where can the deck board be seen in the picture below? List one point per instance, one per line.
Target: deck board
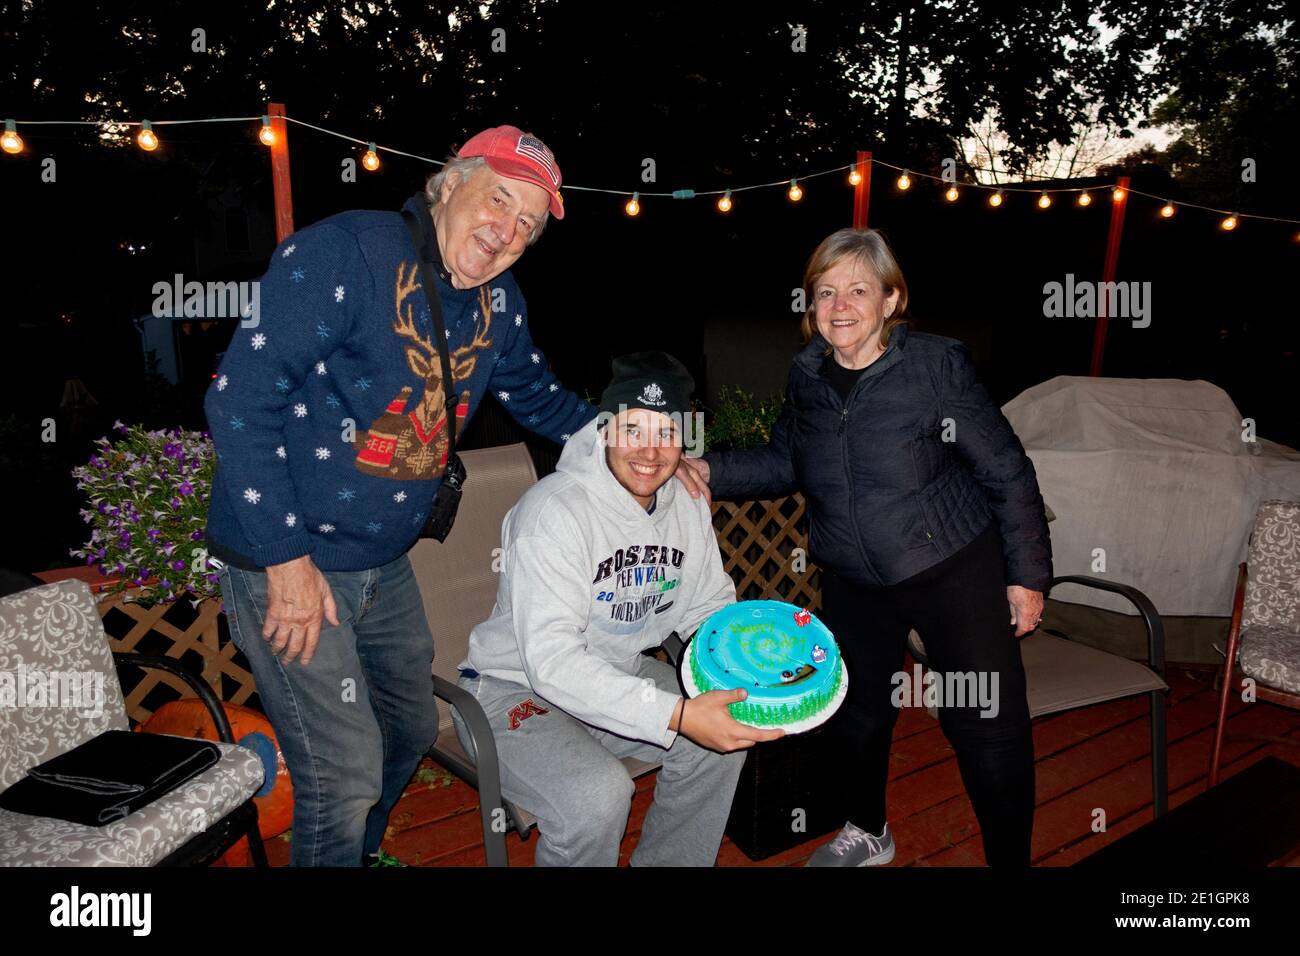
(1097, 757)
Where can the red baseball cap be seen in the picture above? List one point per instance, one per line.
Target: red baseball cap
(512, 153)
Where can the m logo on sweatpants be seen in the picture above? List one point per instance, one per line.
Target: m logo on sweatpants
(521, 712)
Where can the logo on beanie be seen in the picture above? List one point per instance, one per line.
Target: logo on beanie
(652, 394)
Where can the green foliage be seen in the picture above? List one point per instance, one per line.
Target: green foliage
(740, 421)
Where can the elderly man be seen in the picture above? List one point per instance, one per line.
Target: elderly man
(330, 416)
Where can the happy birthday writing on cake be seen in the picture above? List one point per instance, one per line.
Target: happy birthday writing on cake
(765, 640)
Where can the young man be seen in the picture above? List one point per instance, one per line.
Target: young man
(603, 560)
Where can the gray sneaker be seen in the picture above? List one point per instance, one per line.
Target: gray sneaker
(855, 847)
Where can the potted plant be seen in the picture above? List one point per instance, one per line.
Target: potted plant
(147, 494)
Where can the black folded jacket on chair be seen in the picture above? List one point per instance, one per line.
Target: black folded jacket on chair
(109, 777)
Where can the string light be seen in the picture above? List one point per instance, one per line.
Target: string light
(146, 139)
(371, 159)
(11, 142)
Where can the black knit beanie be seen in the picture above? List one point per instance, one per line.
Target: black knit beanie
(653, 380)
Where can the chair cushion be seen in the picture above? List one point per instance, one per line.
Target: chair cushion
(1271, 655)
(53, 631)
(144, 837)
(1273, 564)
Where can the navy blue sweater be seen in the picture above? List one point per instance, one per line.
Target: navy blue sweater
(328, 416)
(905, 472)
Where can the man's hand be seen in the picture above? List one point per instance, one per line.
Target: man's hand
(706, 721)
(1026, 608)
(694, 474)
(297, 597)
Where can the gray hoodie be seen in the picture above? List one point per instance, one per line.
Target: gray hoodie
(588, 581)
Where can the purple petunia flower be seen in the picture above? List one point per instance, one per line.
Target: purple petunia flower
(154, 534)
(175, 503)
(197, 536)
(178, 564)
(213, 578)
(186, 488)
(125, 538)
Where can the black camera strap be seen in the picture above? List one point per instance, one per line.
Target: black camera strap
(440, 333)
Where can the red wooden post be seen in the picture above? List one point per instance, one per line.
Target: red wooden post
(1108, 275)
(862, 191)
(280, 172)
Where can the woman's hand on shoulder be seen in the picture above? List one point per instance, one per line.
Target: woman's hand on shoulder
(694, 474)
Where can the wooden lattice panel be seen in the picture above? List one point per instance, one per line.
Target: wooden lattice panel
(196, 637)
(758, 539)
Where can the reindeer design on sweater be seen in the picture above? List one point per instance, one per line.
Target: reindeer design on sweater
(412, 444)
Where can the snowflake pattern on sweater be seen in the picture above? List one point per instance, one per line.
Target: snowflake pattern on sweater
(340, 364)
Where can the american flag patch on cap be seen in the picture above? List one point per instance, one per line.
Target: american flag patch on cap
(536, 150)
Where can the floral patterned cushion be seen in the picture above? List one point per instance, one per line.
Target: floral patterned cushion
(144, 837)
(1273, 568)
(1271, 655)
(54, 656)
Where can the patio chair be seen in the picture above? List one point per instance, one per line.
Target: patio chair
(458, 580)
(1264, 635)
(1061, 674)
(56, 629)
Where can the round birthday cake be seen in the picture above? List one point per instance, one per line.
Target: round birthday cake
(783, 656)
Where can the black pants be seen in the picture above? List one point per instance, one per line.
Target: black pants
(959, 607)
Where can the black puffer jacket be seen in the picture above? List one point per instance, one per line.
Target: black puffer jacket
(888, 496)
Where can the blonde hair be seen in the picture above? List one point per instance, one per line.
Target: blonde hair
(869, 247)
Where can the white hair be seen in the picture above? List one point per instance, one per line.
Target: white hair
(464, 168)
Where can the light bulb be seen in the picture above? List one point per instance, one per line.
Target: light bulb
(11, 142)
(633, 207)
(795, 192)
(266, 134)
(1228, 224)
(724, 204)
(1117, 195)
(1167, 210)
(951, 194)
(904, 181)
(371, 159)
(1085, 198)
(855, 177)
(1044, 201)
(996, 199)
(146, 139)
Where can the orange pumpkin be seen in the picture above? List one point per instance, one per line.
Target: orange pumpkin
(189, 718)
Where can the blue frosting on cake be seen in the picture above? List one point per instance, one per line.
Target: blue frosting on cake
(784, 657)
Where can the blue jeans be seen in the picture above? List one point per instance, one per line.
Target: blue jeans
(355, 722)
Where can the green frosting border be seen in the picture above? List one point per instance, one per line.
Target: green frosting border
(766, 715)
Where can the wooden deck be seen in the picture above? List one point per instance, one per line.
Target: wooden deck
(1098, 757)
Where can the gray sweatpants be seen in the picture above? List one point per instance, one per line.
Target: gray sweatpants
(569, 775)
